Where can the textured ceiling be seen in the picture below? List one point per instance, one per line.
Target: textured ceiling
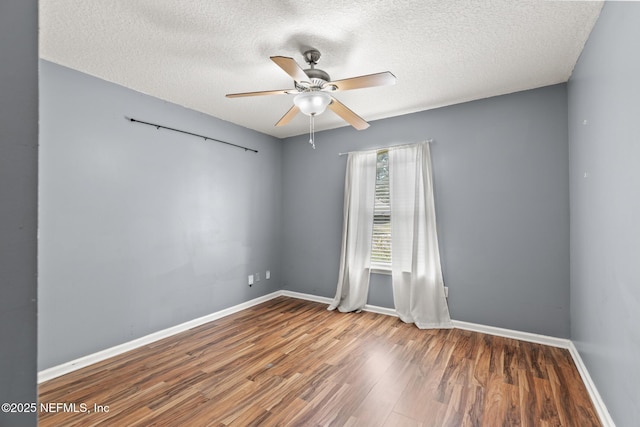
(193, 52)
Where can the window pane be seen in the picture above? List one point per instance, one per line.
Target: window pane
(381, 244)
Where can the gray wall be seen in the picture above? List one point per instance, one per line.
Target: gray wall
(502, 203)
(143, 229)
(604, 90)
(18, 205)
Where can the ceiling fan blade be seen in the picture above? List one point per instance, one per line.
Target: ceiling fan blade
(290, 67)
(347, 115)
(261, 93)
(370, 80)
(288, 116)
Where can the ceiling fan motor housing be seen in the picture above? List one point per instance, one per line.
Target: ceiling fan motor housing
(311, 57)
(317, 74)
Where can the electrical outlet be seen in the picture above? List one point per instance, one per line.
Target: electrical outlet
(257, 277)
(267, 275)
(250, 279)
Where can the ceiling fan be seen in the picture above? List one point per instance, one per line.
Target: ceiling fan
(313, 88)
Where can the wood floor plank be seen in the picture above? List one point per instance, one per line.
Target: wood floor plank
(379, 402)
(482, 360)
(285, 412)
(528, 403)
(397, 420)
(289, 362)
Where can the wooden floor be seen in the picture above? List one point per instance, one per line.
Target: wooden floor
(292, 362)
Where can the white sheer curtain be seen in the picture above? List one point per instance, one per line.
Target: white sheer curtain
(359, 194)
(418, 287)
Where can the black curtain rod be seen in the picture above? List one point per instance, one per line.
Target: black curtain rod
(189, 133)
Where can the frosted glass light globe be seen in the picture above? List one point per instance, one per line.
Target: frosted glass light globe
(312, 103)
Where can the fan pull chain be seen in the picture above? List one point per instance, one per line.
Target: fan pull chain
(312, 132)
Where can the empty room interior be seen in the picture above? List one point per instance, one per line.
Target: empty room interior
(350, 213)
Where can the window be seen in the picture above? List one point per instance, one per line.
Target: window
(381, 240)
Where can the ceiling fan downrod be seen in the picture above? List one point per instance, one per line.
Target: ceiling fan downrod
(311, 57)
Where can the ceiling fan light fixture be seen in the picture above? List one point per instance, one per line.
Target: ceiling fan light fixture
(312, 103)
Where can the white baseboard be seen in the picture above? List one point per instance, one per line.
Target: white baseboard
(510, 333)
(492, 330)
(328, 301)
(601, 408)
(82, 362)
(307, 297)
